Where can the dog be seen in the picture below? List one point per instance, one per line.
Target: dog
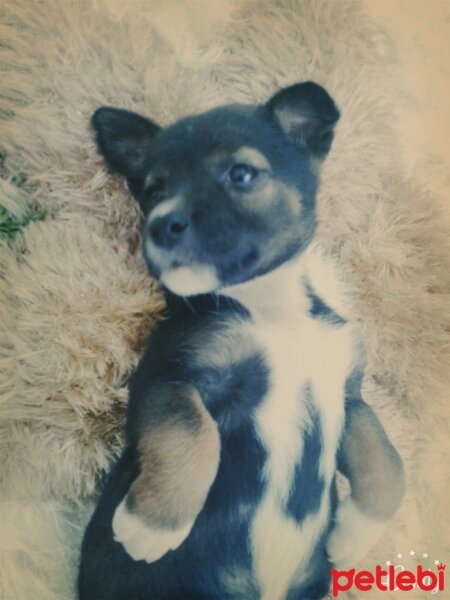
(247, 399)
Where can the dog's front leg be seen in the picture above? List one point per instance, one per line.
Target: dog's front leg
(178, 448)
(375, 471)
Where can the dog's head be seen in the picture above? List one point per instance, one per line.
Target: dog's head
(228, 194)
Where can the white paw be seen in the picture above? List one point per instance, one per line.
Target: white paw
(143, 542)
(353, 535)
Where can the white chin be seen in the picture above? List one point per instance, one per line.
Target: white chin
(189, 281)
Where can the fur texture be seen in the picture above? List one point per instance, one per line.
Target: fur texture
(76, 301)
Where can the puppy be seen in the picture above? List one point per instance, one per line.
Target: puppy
(247, 398)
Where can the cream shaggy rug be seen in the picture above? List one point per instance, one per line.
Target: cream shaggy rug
(76, 302)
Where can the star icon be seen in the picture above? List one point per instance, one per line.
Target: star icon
(412, 553)
(399, 555)
(388, 563)
(436, 562)
(425, 555)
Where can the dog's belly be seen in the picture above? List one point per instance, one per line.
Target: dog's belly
(296, 418)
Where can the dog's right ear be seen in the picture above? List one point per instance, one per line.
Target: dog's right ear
(124, 138)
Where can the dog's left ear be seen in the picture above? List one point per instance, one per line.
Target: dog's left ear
(307, 114)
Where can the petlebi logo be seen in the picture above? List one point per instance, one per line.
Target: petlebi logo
(411, 571)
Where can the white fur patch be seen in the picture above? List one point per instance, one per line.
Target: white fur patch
(143, 542)
(190, 280)
(281, 547)
(299, 350)
(353, 535)
(316, 353)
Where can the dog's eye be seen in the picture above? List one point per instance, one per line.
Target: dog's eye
(242, 175)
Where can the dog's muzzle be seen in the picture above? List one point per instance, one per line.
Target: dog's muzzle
(170, 254)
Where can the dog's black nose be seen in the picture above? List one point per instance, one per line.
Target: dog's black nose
(166, 232)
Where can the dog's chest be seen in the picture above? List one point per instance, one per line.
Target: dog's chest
(297, 415)
(299, 423)
(308, 361)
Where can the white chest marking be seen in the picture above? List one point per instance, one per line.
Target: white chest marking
(299, 351)
(316, 354)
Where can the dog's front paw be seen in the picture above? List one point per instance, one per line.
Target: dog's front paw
(353, 535)
(143, 542)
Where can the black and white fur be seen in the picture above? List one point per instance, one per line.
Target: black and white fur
(229, 204)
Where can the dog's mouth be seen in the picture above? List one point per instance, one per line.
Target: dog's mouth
(191, 275)
(187, 279)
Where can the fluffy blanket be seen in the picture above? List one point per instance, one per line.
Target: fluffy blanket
(76, 302)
